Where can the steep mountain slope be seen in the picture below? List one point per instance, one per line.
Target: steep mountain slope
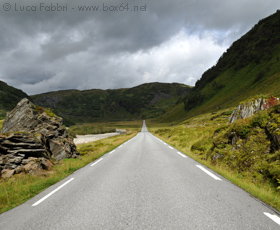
(9, 97)
(144, 101)
(251, 66)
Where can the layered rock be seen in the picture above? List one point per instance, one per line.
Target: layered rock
(32, 132)
(22, 152)
(248, 109)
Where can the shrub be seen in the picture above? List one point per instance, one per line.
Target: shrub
(242, 128)
(260, 119)
(271, 102)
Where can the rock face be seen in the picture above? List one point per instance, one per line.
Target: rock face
(22, 152)
(30, 132)
(247, 109)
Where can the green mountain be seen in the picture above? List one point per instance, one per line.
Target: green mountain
(9, 97)
(250, 67)
(144, 101)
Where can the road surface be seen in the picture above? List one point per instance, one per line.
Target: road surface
(143, 184)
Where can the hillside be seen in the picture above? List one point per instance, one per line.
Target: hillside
(140, 102)
(9, 97)
(249, 67)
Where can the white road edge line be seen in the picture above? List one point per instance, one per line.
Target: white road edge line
(209, 173)
(275, 218)
(170, 147)
(112, 151)
(51, 193)
(97, 161)
(182, 155)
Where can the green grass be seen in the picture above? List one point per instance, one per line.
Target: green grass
(197, 136)
(89, 129)
(1, 124)
(20, 188)
(103, 127)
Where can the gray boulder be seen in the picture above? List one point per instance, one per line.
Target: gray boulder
(246, 110)
(30, 131)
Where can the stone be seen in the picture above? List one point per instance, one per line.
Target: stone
(51, 136)
(33, 167)
(7, 173)
(30, 139)
(46, 164)
(246, 110)
(16, 160)
(19, 169)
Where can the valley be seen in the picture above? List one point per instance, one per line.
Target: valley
(193, 121)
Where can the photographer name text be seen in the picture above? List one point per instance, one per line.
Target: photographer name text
(56, 7)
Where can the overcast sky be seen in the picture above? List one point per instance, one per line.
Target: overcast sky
(48, 45)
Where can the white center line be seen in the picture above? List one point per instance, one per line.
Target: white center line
(51, 193)
(97, 161)
(209, 173)
(275, 218)
(182, 155)
(112, 151)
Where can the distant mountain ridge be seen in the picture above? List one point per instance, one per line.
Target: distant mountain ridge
(250, 67)
(9, 97)
(144, 101)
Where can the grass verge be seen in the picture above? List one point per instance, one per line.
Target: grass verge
(195, 138)
(20, 188)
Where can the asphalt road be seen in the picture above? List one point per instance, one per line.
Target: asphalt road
(143, 184)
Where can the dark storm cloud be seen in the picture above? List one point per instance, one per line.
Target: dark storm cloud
(169, 41)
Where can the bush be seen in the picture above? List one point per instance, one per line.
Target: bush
(242, 128)
(260, 119)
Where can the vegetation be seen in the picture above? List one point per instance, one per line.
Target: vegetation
(249, 67)
(88, 129)
(9, 97)
(141, 102)
(103, 127)
(193, 120)
(1, 124)
(244, 152)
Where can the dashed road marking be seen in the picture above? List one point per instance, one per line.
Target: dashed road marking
(97, 161)
(182, 155)
(51, 193)
(275, 218)
(112, 151)
(209, 173)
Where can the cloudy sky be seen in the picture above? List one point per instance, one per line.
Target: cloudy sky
(49, 45)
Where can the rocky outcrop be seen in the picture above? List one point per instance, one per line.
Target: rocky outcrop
(248, 109)
(22, 152)
(31, 132)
